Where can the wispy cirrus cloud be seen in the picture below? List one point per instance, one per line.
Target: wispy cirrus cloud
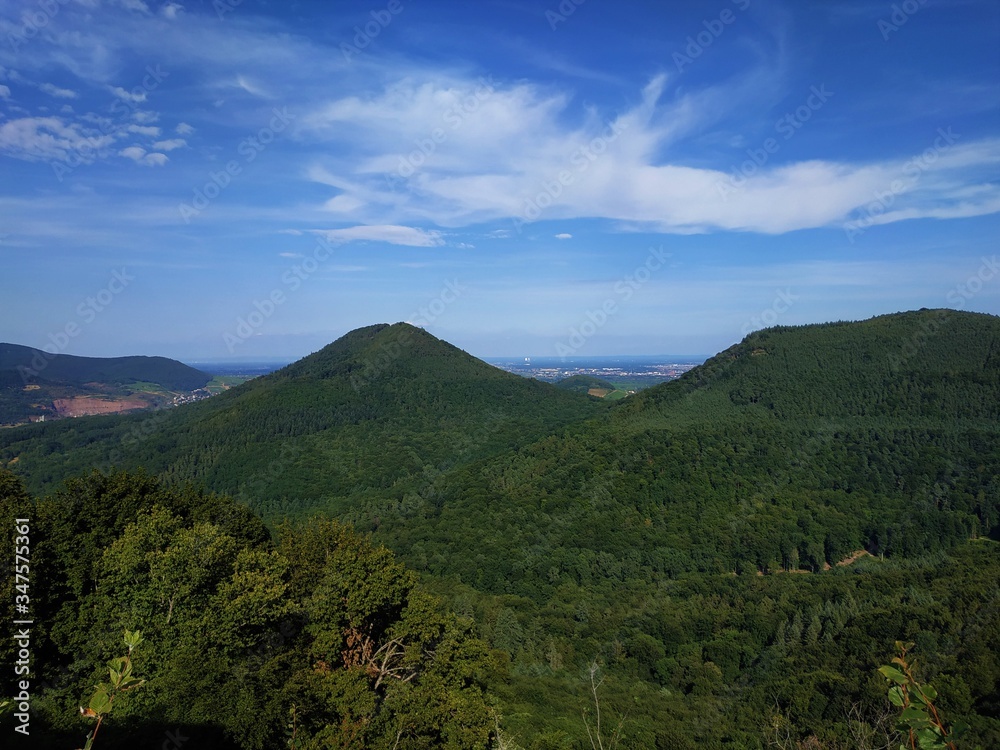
(391, 234)
(57, 92)
(517, 153)
(402, 143)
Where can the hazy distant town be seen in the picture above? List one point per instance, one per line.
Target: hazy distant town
(632, 372)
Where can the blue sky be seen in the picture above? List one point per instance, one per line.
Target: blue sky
(214, 179)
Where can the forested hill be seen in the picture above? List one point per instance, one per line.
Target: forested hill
(929, 364)
(22, 365)
(654, 538)
(791, 450)
(382, 407)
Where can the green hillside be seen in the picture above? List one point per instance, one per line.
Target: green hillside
(791, 450)
(736, 550)
(33, 365)
(384, 409)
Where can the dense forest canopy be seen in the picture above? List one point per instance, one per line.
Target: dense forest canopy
(735, 552)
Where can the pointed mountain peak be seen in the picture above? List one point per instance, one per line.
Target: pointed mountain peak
(383, 350)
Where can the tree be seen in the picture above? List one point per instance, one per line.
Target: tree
(387, 667)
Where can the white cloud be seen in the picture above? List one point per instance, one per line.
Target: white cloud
(498, 147)
(138, 5)
(4, 91)
(127, 96)
(139, 156)
(251, 87)
(171, 10)
(343, 204)
(485, 151)
(133, 152)
(564, 236)
(50, 138)
(392, 234)
(170, 145)
(149, 130)
(57, 92)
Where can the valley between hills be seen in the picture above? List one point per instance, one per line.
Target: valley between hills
(390, 543)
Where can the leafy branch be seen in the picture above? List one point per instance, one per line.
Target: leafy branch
(120, 681)
(920, 721)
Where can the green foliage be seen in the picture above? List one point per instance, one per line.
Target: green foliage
(120, 680)
(920, 719)
(386, 665)
(239, 631)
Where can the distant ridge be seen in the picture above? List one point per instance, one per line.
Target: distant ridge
(34, 365)
(36, 385)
